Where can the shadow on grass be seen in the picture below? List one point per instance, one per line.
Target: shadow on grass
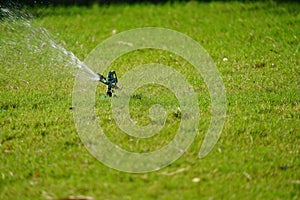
(108, 2)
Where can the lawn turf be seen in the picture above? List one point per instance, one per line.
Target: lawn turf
(257, 156)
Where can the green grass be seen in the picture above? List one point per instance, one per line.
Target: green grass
(257, 156)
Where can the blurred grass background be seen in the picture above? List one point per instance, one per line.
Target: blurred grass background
(257, 156)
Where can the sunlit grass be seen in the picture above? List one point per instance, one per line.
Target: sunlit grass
(257, 156)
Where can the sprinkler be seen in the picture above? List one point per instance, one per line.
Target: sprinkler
(111, 82)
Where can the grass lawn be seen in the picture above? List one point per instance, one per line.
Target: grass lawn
(256, 49)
